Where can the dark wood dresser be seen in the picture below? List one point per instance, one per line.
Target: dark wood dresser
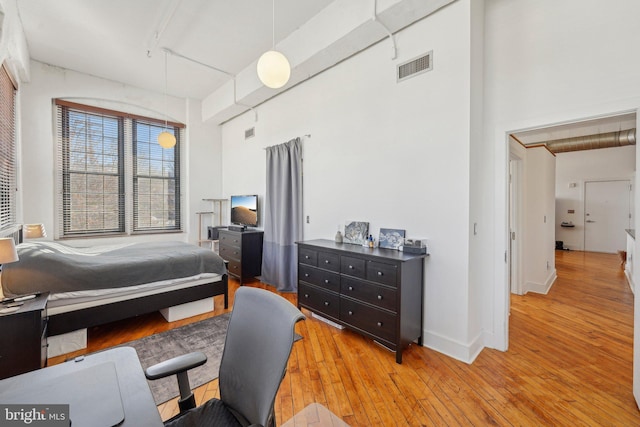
(243, 250)
(23, 337)
(375, 292)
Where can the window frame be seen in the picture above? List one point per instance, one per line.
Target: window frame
(128, 193)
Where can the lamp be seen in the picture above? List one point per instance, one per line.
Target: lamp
(8, 251)
(273, 67)
(166, 139)
(34, 231)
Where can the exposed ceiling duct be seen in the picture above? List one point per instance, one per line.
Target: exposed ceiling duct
(590, 142)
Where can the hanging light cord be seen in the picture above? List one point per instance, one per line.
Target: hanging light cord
(273, 26)
(165, 92)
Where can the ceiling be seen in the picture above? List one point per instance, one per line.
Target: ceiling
(123, 40)
(112, 38)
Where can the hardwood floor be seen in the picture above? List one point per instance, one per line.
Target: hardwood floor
(569, 363)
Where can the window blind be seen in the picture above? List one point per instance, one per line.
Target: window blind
(7, 150)
(156, 179)
(92, 172)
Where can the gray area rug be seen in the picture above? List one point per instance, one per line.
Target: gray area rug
(206, 336)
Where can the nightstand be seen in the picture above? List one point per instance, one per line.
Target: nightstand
(23, 337)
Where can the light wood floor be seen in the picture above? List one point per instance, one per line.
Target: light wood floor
(569, 363)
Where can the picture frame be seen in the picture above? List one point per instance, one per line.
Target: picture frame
(356, 232)
(391, 238)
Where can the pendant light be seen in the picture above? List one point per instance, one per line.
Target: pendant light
(273, 67)
(166, 139)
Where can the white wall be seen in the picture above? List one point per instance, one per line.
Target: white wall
(399, 155)
(548, 62)
(576, 167)
(393, 154)
(38, 140)
(539, 220)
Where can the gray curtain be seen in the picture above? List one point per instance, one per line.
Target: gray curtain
(283, 215)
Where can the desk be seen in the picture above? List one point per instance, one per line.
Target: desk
(136, 398)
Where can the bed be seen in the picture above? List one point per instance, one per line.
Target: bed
(96, 285)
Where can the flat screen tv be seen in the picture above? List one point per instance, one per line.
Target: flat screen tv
(244, 210)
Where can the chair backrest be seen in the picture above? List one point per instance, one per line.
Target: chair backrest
(256, 351)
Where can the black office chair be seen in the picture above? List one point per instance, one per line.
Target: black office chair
(254, 360)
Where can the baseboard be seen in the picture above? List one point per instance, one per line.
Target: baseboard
(632, 285)
(327, 321)
(466, 353)
(541, 288)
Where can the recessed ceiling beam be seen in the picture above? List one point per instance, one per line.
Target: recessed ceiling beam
(342, 29)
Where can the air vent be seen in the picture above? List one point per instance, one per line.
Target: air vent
(250, 133)
(416, 66)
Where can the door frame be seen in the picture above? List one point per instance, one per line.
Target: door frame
(516, 169)
(499, 336)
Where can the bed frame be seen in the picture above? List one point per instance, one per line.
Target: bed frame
(93, 316)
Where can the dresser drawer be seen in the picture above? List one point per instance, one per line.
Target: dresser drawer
(229, 252)
(376, 295)
(318, 277)
(329, 261)
(234, 267)
(230, 239)
(308, 256)
(386, 274)
(376, 322)
(352, 266)
(323, 302)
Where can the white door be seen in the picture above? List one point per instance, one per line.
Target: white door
(607, 215)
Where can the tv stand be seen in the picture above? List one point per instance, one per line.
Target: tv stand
(243, 250)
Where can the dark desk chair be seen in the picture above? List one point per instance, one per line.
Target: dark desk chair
(254, 361)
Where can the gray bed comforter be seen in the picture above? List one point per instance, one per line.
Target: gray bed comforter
(55, 267)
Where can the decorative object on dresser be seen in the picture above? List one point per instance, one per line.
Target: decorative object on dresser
(375, 292)
(415, 246)
(23, 334)
(356, 232)
(391, 238)
(243, 250)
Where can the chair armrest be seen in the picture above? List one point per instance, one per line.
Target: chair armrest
(176, 365)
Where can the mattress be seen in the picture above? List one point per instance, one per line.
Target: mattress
(63, 269)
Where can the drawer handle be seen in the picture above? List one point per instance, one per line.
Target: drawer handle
(326, 281)
(380, 297)
(326, 303)
(306, 257)
(351, 267)
(326, 261)
(379, 273)
(306, 295)
(350, 313)
(380, 324)
(350, 288)
(306, 274)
